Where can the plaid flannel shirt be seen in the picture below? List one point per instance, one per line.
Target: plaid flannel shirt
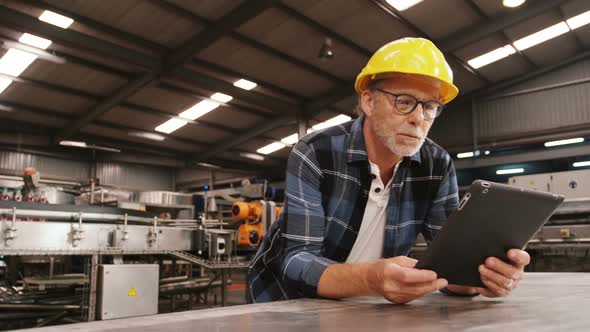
(327, 187)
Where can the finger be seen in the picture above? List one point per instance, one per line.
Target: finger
(404, 261)
(495, 288)
(519, 257)
(428, 287)
(486, 292)
(497, 278)
(409, 275)
(507, 270)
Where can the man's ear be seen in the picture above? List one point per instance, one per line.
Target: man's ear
(367, 102)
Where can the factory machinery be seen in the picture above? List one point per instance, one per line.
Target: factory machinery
(70, 263)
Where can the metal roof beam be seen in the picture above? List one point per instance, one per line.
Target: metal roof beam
(475, 33)
(171, 61)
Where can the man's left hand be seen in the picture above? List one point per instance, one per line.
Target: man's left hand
(499, 277)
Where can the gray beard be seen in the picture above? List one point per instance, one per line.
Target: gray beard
(398, 149)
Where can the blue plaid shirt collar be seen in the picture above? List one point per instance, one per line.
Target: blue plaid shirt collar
(356, 150)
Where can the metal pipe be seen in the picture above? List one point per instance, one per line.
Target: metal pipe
(538, 89)
(39, 307)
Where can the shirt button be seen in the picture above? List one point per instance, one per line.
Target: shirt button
(373, 176)
(377, 190)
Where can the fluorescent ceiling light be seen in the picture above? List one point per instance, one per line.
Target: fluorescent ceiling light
(510, 171)
(402, 5)
(4, 83)
(171, 125)
(565, 141)
(147, 135)
(221, 97)
(14, 62)
(582, 163)
(291, 139)
(35, 41)
(579, 20)
(73, 143)
(56, 19)
(512, 3)
(252, 156)
(208, 165)
(201, 108)
(465, 155)
(332, 122)
(245, 84)
(541, 36)
(492, 56)
(272, 147)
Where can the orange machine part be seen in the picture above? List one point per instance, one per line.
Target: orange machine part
(246, 211)
(249, 235)
(278, 211)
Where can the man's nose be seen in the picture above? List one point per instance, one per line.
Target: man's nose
(417, 116)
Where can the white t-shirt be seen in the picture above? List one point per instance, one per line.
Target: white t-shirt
(368, 246)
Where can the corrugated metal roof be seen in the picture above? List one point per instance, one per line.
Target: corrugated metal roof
(297, 72)
(142, 18)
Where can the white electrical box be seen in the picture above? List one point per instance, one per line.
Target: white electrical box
(127, 290)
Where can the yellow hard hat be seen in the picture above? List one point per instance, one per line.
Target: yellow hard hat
(417, 56)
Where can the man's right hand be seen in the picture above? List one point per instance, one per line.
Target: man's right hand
(399, 282)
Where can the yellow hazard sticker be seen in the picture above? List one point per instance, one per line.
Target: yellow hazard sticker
(132, 292)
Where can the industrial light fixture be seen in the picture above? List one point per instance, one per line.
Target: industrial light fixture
(291, 139)
(512, 3)
(510, 171)
(252, 156)
(84, 145)
(171, 125)
(531, 40)
(35, 41)
(147, 135)
(564, 142)
(56, 19)
(14, 62)
(541, 36)
(487, 152)
(272, 147)
(465, 155)
(326, 52)
(402, 5)
(199, 109)
(581, 163)
(19, 56)
(77, 144)
(221, 97)
(245, 84)
(579, 20)
(294, 138)
(38, 52)
(469, 154)
(492, 56)
(332, 122)
(208, 165)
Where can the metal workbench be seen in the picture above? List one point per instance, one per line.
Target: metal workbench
(543, 302)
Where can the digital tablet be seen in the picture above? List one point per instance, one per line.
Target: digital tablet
(490, 219)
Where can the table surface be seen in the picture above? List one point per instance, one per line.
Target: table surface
(543, 302)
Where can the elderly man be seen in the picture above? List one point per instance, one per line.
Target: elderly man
(358, 194)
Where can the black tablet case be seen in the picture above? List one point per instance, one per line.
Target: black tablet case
(490, 219)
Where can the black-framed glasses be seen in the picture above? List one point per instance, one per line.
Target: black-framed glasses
(406, 104)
